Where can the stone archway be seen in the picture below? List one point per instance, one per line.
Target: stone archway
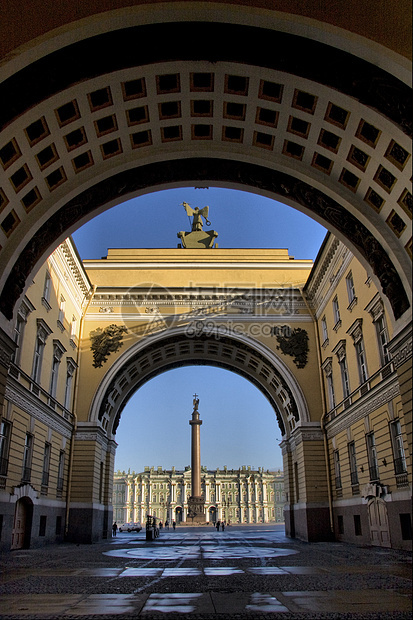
(232, 351)
(93, 118)
(303, 443)
(312, 111)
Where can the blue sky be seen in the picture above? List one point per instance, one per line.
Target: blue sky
(239, 425)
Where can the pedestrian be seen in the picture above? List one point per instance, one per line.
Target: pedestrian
(167, 524)
(174, 524)
(223, 526)
(114, 529)
(160, 525)
(217, 525)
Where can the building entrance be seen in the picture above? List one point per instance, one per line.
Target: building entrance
(22, 524)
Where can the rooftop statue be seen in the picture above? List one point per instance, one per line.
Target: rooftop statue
(197, 238)
(197, 214)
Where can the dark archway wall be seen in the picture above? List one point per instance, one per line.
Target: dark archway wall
(358, 186)
(389, 26)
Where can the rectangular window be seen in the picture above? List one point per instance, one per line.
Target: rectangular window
(351, 292)
(340, 523)
(60, 471)
(53, 376)
(46, 464)
(47, 287)
(372, 457)
(330, 388)
(42, 525)
(357, 525)
(18, 337)
(361, 360)
(406, 526)
(5, 435)
(62, 306)
(344, 377)
(400, 466)
(383, 340)
(324, 329)
(336, 313)
(353, 463)
(37, 359)
(27, 458)
(337, 469)
(58, 529)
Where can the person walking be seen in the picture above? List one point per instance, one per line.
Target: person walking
(114, 529)
(174, 524)
(223, 525)
(218, 523)
(167, 524)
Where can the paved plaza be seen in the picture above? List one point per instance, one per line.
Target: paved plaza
(196, 572)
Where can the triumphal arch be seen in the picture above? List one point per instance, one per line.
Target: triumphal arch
(309, 106)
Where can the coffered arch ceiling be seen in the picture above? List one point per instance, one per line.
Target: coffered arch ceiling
(234, 352)
(94, 120)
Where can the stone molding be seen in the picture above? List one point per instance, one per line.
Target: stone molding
(400, 347)
(361, 409)
(25, 400)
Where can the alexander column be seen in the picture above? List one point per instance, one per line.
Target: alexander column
(196, 502)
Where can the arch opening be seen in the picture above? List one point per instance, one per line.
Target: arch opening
(237, 353)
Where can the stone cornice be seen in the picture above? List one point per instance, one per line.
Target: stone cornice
(380, 395)
(29, 403)
(400, 347)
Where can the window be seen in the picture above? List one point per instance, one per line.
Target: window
(27, 458)
(356, 333)
(372, 457)
(383, 339)
(70, 369)
(324, 329)
(336, 313)
(58, 350)
(328, 370)
(58, 529)
(357, 525)
(61, 317)
(351, 292)
(25, 308)
(406, 526)
(337, 468)
(37, 359)
(43, 331)
(398, 448)
(42, 525)
(330, 389)
(5, 435)
(353, 463)
(47, 289)
(46, 464)
(344, 377)
(73, 329)
(60, 471)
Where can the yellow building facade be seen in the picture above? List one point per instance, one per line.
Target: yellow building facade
(314, 338)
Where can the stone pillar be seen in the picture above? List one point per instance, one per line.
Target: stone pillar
(195, 451)
(196, 511)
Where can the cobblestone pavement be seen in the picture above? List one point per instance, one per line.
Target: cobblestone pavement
(197, 572)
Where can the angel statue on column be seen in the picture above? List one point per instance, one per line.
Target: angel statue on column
(197, 214)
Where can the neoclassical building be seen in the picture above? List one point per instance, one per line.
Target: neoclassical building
(234, 496)
(315, 337)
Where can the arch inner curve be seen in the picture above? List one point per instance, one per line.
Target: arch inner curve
(253, 361)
